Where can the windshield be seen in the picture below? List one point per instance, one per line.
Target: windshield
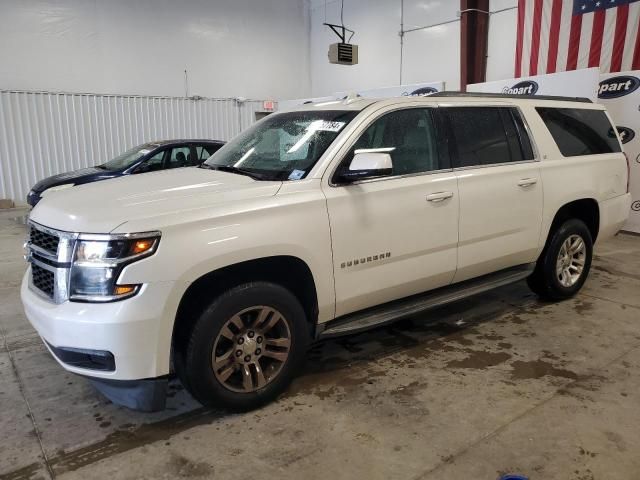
(283, 146)
(128, 158)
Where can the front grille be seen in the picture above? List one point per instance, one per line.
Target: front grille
(50, 253)
(44, 240)
(42, 279)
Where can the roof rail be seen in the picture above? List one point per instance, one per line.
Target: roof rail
(351, 97)
(510, 95)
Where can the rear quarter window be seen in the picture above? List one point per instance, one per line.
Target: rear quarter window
(579, 131)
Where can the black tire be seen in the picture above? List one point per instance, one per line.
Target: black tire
(195, 368)
(544, 281)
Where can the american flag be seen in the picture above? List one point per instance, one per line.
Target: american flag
(559, 35)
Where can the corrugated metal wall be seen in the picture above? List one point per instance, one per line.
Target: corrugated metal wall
(43, 133)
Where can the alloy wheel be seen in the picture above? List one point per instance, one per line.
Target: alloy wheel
(251, 349)
(571, 260)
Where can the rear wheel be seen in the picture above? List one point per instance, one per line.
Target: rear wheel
(564, 264)
(245, 347)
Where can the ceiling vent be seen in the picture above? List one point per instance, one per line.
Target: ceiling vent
(343, 53)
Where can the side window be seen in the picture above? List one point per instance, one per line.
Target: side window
(180, 157)
(579, 131)
(523, 136)
(486, 136)
(152, 164)
(410, 137)
(205, 151)
(517, 138)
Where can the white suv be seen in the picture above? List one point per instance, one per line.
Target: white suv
(325, 221)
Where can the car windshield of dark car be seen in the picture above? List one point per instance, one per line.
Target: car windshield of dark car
(283, 146)
(128, 158)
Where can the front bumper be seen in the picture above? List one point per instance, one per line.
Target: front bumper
(131, 330)
(148, 395)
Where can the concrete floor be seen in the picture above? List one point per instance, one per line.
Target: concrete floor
(500, 383)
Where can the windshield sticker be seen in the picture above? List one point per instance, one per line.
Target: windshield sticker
(296, 175)
(144, 151)
(329, 126)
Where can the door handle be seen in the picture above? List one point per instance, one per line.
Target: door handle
(527, 182)
(439, 196)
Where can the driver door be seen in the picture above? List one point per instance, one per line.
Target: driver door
(397, 235)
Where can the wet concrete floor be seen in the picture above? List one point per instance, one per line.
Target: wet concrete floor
(500, 383)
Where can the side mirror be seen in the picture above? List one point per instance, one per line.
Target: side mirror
(367, 164)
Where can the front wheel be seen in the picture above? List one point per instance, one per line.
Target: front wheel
(246, 347)
(564, 264)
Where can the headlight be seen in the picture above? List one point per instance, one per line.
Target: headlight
(98, 261)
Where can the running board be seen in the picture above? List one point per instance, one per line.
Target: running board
(406, 307)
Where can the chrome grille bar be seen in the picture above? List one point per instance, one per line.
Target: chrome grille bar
(40, 253)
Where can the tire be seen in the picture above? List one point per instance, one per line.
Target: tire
(559, 279)
(251, 364)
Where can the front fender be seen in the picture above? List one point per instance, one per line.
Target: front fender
(296, 227)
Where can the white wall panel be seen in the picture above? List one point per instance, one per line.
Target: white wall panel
(429, 54)
(377, 23)
(231, 48)
(502, 39)
(433, 51)
(42, 134)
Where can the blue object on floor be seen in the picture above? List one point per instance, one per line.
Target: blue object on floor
(512, 476)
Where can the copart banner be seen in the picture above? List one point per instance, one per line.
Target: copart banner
(575, 83)
(620, 93)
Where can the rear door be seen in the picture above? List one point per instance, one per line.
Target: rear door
(500, 187)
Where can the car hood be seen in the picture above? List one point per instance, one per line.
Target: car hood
(71, 177)
(101, 207)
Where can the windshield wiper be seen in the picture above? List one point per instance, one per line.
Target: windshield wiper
(232, 169)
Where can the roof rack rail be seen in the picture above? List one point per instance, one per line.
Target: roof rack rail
(510, 95)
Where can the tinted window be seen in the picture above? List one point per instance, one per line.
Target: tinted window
(523, 136)
(152, 164)
(409, 134)
(488, 135)
(129, 157)
(205, 151)
(180, 157)
(580, 131)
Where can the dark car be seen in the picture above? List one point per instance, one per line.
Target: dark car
(149, 157)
